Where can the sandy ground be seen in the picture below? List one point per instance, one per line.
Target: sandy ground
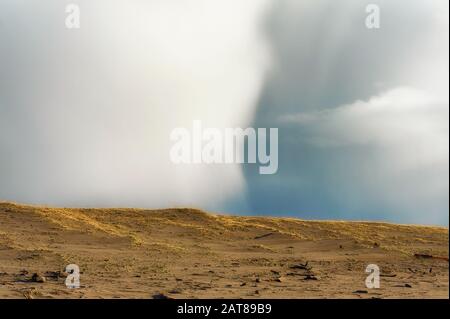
(187, 253)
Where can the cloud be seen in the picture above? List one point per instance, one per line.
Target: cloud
(86, 115)
(408, 128)
(404, 120)
(362, 114)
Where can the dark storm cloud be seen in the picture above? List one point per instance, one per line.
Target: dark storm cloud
(357, 140)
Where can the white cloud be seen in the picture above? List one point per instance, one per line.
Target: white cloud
(406, 121)
(85, 115)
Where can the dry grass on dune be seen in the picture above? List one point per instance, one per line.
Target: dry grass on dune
(193, 254)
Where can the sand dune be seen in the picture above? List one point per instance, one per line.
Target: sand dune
(187, 253)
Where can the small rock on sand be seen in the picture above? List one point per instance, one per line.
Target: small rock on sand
(38, 278)
(360, 292)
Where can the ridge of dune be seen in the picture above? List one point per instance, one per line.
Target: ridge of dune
(196, 254)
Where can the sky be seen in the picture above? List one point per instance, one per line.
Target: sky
(86, 114)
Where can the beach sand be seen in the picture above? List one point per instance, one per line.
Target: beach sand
(188, 253)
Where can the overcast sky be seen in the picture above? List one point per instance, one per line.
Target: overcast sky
(85, 115)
